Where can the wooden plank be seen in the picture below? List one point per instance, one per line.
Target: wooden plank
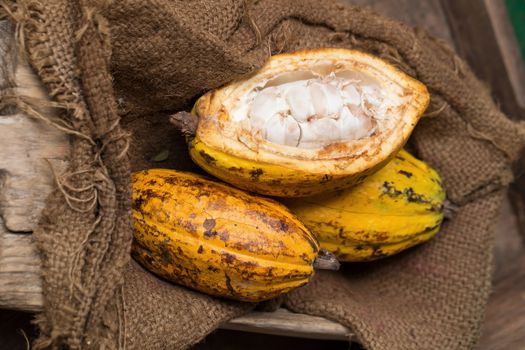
(29, 149)
(29, 146)
(515, 66)
(426, 14)
(20, 284)
(476, 41)
(506, 39)
(508, 245)
(504, 327)
(286, 323)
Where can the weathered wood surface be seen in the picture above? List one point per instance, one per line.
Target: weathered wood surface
(476, 37)
(511, 55)
(426, 14)
(29, 149)
(286, 323)
(29, 146)
(504, 327)
(20, 286)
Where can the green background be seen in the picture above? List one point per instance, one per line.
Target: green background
(516, 11)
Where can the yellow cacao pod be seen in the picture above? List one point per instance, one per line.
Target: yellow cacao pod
(217, 239)
(307, 122)
(396, 208)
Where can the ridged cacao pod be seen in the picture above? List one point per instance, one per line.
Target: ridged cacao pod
(217, 239)
(396, 208)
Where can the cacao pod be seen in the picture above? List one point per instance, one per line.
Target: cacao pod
(307, 122)
(398, 207)
(217, 239)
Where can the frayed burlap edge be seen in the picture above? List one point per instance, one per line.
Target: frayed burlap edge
(85, 225)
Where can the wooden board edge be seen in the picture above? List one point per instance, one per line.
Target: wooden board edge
(285, 323)
(21, 289)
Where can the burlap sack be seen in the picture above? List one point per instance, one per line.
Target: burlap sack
(159, 55)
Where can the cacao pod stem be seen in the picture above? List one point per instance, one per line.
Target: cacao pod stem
(449, 209)
(326, 261)
(185, 122)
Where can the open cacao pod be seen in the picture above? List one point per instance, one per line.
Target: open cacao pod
(307, 122)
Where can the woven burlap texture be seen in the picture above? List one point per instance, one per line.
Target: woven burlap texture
(162, 54)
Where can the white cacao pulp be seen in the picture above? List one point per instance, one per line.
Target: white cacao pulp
(312, 113)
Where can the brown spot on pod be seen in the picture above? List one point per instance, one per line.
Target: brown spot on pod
(166, 255)
(236, 169)
(256, 173)
(223, 235)
(390, 190)
(283, 225)
(306, 259)
(207, 158)
(137, 203)
(213, 268)
(228, 258)
(326, 178)
(208, 225)
(229, 285)
(414, 197)
(152, 182)
(406, 173)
